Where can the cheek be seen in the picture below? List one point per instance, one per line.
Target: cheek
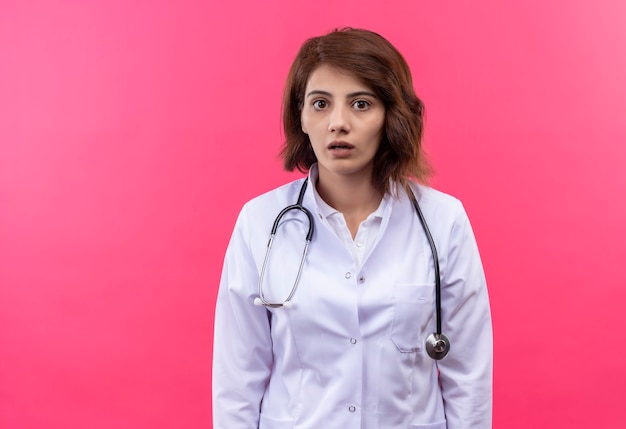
(312, 128)
(377, 128)
(307, 123)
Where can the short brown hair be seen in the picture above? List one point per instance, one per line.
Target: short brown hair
(372, 59)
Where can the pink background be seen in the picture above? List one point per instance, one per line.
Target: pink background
(132, 132)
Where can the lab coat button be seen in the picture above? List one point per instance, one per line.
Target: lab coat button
(353, 340)
(352, 408)
(359, 244)
(348, 275)
(362, 279)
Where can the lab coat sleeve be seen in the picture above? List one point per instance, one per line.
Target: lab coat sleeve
(242, 348)
(466, 373)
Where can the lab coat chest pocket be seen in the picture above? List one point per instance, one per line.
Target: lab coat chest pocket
(413, 309)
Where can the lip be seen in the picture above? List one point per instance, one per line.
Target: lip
(339, 145)
(340, 149)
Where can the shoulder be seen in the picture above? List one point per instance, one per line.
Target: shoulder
(276, 198)
(447, 219)
(442, 211)
(265, 207)
(433, 200)
(258, 214)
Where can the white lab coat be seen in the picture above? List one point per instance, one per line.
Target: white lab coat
(350, 352)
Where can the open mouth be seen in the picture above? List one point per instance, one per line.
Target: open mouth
(340, 146)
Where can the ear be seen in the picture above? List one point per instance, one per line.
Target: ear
(304, 130)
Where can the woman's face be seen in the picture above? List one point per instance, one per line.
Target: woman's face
(344, 120)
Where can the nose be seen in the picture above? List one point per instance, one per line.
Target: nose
(339, 120)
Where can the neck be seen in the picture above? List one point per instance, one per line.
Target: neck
(355, 198)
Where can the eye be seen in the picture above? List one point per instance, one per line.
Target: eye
(320, 104)
(361, 105)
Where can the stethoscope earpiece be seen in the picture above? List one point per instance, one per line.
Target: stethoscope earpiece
(259, 302)
(437, 346)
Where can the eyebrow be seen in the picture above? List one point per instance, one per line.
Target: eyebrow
(351, 95)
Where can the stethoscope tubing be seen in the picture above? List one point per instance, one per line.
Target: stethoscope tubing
(437, 344)
(433, 249)
(309, 237)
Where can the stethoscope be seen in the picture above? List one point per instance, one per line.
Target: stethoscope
(437, 343)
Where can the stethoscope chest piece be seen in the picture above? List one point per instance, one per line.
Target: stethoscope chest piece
(437, 346)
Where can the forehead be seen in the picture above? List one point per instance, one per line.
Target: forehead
(327, 77)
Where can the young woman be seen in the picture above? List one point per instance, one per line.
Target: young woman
(337, 325)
